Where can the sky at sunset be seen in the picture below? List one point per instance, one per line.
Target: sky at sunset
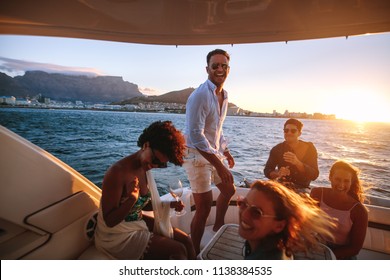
(347, 77)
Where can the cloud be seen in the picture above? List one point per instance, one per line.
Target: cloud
(14, 67)
(149, 91)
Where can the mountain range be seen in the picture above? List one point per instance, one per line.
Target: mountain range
(179, 96)
(61, 87)
(68, 88)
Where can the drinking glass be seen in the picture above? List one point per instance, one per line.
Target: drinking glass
(176, 190)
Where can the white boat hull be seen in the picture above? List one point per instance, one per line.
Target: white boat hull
(44, 204)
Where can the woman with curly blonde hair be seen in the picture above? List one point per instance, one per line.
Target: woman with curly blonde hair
(276, 221)
(344, 202)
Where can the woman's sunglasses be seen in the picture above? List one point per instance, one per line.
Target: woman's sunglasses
(255, 212)
(157, 162)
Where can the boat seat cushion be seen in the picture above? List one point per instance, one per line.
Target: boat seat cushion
(16, 241)
(378, 232)
(61, 214)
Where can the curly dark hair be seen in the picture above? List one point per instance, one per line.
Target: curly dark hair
(164, 137)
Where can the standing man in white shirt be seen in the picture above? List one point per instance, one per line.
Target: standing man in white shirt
(207, 147)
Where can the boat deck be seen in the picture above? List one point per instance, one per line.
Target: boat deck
(226, 244)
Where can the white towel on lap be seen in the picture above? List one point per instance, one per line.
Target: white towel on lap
(161, 209)
(128, 240)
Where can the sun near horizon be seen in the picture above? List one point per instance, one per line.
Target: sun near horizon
(362, 120)
(359, 106)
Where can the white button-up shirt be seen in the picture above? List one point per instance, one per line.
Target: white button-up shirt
(204, 120)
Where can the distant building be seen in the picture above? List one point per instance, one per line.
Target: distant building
(130, 107)
(276, 114)
(9, 100)
(107, 107)
(324, 117)
(233, 111)
(22, 101)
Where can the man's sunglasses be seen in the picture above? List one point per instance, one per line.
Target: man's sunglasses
(215, 66)
(293, 130)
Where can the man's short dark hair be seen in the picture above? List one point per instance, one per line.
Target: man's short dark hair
(295, 122)
(217, 51)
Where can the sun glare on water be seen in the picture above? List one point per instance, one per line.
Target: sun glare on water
(360, 107)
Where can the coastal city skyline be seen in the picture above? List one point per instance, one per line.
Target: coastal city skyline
(347, 77)
(159, 107)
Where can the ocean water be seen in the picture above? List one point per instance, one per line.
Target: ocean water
(90, 141)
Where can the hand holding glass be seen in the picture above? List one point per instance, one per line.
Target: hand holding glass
(176, 190)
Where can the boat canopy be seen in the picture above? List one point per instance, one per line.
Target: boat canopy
(194, 22)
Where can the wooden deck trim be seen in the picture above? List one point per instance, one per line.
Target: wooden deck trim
(226, 244)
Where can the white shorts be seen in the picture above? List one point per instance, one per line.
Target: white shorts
(201, 173)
